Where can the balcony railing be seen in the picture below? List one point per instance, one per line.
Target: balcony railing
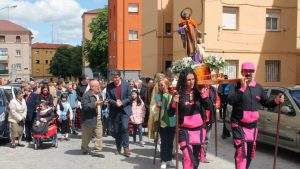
(3, 58)
(3, 72)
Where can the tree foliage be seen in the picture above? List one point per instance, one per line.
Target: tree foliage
(96, 49)
(67, 62)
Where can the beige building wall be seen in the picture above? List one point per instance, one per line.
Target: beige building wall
(251, 41)
(87, 35)
(157, 47)
(86, 20)
(19, 66)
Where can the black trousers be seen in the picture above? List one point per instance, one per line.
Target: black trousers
(167, 135)
(121, 134)
(28, 130)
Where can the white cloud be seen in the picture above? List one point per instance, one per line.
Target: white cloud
(65, 15)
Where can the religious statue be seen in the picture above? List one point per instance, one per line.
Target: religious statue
(191, 37)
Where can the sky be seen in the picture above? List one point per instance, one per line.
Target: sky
(43, 16)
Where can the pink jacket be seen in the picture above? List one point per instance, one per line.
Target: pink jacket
(138, 113)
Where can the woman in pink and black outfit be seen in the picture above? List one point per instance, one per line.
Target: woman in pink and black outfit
(192, 131)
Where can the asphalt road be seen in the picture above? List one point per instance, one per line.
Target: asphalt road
(68, 156)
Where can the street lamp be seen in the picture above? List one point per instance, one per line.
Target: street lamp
(8, 7)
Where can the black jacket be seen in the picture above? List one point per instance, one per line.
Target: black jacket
(89, 109)
(48, 98)
(31, 103)
(80, 90)
(248, 100)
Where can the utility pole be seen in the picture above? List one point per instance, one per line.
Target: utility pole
(8, 7)
(124, 9)
(52, 33)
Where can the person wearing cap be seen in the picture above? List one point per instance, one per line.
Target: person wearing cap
(245, 98)
(118, 97)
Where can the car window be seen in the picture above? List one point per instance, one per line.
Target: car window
(8, 94)
(287, 101)
(2, 100)
(296, 96)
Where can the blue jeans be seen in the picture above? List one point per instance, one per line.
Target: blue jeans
(121, 134)
(138, 130)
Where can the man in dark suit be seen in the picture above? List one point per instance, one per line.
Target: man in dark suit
(118, 96)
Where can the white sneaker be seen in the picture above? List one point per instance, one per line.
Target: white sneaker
(142, 143)
(170, 164)
(163, 165)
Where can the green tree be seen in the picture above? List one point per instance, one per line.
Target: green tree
(67, 62)
(96, 49)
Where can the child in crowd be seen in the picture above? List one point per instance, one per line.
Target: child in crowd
(65, 115)
(138, 115)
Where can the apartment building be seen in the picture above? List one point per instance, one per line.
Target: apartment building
(263, 32)
(15, 51)
(42, 55)
(125, 43)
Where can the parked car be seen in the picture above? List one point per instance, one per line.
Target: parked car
(4, 127)
(10, 91)
(289, 135)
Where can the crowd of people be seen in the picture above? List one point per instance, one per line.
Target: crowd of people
(120, 108)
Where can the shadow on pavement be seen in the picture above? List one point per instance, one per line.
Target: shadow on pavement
(74, 152)
(140, 162)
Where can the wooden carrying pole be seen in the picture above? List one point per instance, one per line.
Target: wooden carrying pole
(177, 137)
(277, 136)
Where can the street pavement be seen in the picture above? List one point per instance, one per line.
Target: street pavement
(69, 156)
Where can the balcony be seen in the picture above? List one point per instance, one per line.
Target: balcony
(4, 71)
(3, 57)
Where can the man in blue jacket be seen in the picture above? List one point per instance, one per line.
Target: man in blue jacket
(118, 97)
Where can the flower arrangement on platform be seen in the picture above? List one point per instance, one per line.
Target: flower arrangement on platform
(215, 63)
(182, 64)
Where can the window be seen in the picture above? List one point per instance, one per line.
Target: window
(230, 18)
(287, 102)
(133, 8)
(17, 66)
(168, 29)
(46, 51)
(133, 35)
(37, 61)
(2, 39)
(18, 39)
(272, 19)
(272, 70)
(18, 52)
(37, 52)
(231, 69)
(46, 61)
(3, 52)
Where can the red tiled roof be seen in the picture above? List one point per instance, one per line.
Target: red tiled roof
(47, 45)
(8, 26)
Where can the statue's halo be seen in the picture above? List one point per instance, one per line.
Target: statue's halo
(186, 10)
